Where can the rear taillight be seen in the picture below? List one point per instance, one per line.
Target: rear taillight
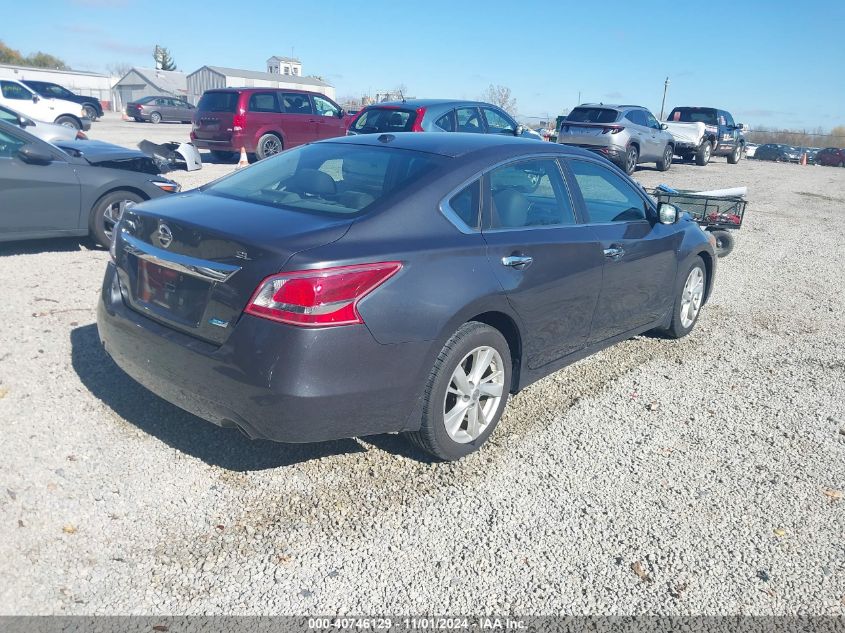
(417, 126)
(319, 298)
(238, 122)
(613, 129)
(80, 136)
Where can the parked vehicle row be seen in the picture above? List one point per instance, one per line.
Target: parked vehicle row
(393, 282)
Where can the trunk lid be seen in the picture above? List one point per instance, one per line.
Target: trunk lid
(193, 261)
(215, 115)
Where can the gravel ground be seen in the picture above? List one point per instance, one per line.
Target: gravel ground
(673, 477)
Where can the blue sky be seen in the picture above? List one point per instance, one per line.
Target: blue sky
(777, 63)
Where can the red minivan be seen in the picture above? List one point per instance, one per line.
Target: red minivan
(264, 121)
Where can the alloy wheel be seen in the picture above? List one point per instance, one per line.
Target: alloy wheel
(271, 146)
(112, 215)
(473, 395)
(692, 296)
(632, 160)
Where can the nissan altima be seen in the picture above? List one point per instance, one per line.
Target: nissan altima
(393, 283)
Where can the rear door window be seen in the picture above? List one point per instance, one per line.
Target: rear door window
(446, 122)
(295, 103)
(263, 102)
(607, 197)
(469, 120)
(637, 117)
(219, 102)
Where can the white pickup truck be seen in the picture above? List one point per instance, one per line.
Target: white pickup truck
(15, 95)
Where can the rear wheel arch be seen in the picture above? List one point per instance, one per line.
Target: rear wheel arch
(94, 228)
(510, 330)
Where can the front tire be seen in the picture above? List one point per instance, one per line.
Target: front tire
(466, 393)
(68, 121)
(725, 242)
(666, 161)
(90, 112)
(702, 155)
(155, 117)
(106, 213)
(268, 145)
(689, 298)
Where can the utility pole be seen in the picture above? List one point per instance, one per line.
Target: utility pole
(579, 98)
(663, 104)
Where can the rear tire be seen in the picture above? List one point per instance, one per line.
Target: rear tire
(689, 298)
(106, 213)
(725, 242)
(68, 121)
(735, 155)
(666, 161)
(703, 153)
(632, 156)
(155, 117)
(268, 145)
(465, 394)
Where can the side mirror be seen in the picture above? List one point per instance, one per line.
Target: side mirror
(519, 131)
(35, 99)
(663, 126)
(740, 126)
(341, 113)
(24, 122)
(668, 213)
(34, 155)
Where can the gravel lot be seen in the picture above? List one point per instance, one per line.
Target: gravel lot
(710, 464)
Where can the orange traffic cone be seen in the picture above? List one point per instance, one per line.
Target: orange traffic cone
(244, 161)
(123, 117)
(804, 158)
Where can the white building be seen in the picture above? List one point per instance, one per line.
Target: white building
(77, 81)
(209, 77)
(284, 66)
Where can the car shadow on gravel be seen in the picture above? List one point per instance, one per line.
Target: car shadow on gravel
(226, 448)
(52, 245)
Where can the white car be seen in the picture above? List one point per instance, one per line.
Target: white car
(750, 149)
(13, 94)
(50, 132)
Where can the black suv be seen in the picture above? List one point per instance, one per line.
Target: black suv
(724, 135)
(91, 105)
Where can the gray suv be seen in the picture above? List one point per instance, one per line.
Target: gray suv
(627, 135)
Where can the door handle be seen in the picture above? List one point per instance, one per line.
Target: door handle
(517, 261)
(614, 252)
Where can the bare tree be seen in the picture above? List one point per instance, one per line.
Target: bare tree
(500, 96)
(118, 69)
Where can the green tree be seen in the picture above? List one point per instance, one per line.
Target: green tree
(10, 55)
(163, 59)
(45, 60)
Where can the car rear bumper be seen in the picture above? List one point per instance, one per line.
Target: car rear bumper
(611, 152)
(85, 122)
(234, 144)
(271, 380)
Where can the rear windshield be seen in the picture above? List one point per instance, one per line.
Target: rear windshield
(695, 115)
(328, 178)
(218, 102)
(374, 120)
(592, 115)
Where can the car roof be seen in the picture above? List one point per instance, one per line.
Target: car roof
(427, 103)
(263, 89)
(453, 144)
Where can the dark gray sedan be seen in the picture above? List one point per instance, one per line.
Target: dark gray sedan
(70, 188)
(158, 109)
(383, 283)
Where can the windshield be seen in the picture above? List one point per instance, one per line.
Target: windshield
(592, 115)
(218, 102)
(694, 115)
(374, 120)
(331, 178)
